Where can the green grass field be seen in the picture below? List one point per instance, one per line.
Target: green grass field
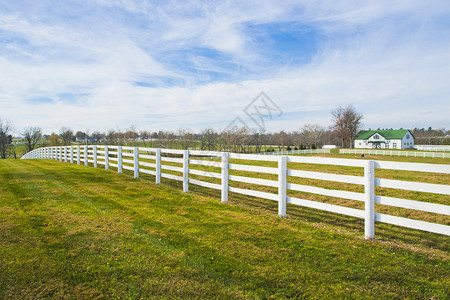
(69, 231)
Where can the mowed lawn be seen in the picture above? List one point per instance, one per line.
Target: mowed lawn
(69, 231)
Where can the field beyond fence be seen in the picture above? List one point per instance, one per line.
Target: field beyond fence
(398, 195)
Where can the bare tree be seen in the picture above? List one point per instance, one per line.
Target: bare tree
(281, 139)
(186, 138)
(257, 139)
(66, 134)
(5, 143)
(166, 139)
(311, 135)
(346, 122)
(32, 136)
(132, 135)
(209, 138)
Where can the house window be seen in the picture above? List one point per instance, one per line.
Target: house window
(407, 136)
(394, 146)
(376, 137)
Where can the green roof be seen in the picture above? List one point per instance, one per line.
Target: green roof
(387, 134)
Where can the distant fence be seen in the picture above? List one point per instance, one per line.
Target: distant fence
(433, 148)
(296, 152)
(183, 165)
(395, 153)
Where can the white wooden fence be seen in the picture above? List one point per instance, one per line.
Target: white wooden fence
(155, 161)
(296, 152)
(445, 148)
(395, 153)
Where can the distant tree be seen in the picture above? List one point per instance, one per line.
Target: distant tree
(166, 139)
(258, 138)
(208, 138)
(132, 135)
(32, 136)
(97, 136)
(53, 139)
(5, 129)
(111, 137)
(80, 136)
(66, 135)
(281, 139)
(311, 134)
(346, 123)
(186, 138)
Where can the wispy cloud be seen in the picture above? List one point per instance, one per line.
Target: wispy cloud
(107, 64)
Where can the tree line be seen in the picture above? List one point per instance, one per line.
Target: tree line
(346, 122)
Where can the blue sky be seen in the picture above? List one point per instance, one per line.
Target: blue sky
(166, 65)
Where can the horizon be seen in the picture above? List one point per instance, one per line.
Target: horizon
(107, 65)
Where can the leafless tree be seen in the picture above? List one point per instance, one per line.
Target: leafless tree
(66, 135)
(209, 138)
(258, 138)
(311, 135)
(346, 122)
(281, 139)
(166, 139)
(5, 143)
(32, 136)
(98, 137)
(132, 135)
(186, 138)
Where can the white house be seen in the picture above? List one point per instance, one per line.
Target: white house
(385, 139)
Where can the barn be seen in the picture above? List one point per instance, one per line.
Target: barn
(385, 139)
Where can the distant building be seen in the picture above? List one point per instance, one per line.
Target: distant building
(329, 147)
(385, 139)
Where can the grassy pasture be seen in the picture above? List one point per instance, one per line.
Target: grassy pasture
(68, 231)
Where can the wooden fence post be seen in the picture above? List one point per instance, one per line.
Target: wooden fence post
(369, 192)
(136, 162)
(282, 170)
(71, 154)
(185, 171)
(60, 154)
(106, 158)
(119, 159)
(86, 155)
(78, 154)
(158, 166)
(225, 177)
(95, 156)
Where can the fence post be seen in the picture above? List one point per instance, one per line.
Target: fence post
(119, 159)
(369, 192)
(225, 177)
(78, 154)
(106, 158)
(282, 168)
(158, 166)
(95, 156)
(185, 171)
(65, 154)
(86, 155)
(60, 154)
(71, 154)
(136, 162)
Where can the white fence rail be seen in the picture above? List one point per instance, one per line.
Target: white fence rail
(433, 147)
(395, 153)
(182, 164)
(297, 152)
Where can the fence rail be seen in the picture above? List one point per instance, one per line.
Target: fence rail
(297, 152)
(396, 153)
(433, 147)
(182, 165)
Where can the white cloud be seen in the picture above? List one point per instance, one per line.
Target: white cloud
(388, 59)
